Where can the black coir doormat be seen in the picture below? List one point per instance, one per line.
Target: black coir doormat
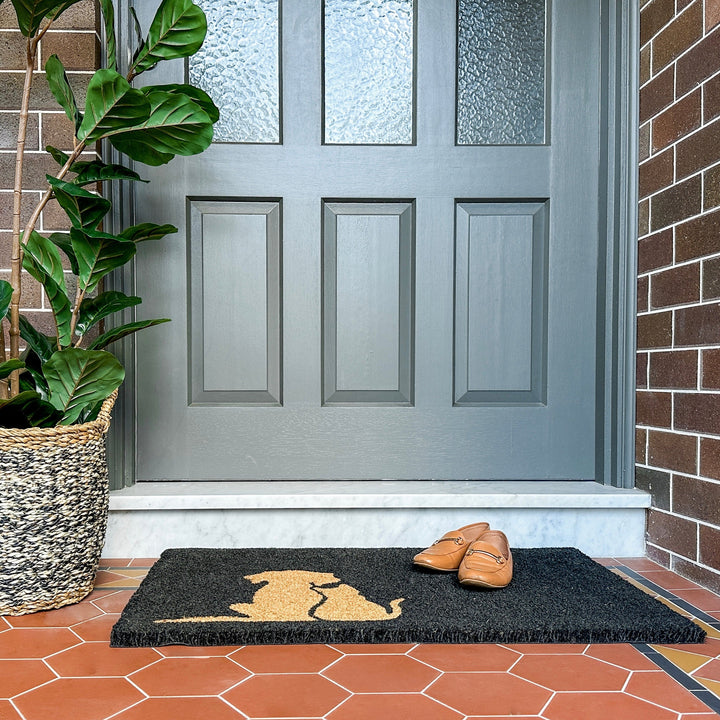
(360, 595)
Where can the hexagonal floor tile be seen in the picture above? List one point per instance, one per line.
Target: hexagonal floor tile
(657, 687)
(286, 696)
(285, 658)
(417, 707)
(570, 672)
(78, 699)
(601, 706)
(468, 658)
(114, 602)
(180, 709)
(370, 649)
(62, 617)
(622, 655)
(189, 676)
(98, 628)
(489, 694)
(17, 676)
(28, 643)
(7, 711)
(98, 659)
(381, 673)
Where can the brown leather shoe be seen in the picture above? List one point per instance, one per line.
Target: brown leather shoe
(446, 553)
(488, 562)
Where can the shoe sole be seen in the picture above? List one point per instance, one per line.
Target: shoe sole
(432, 567)
(479, 583)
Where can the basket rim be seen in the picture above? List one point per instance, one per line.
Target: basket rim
(101, 423)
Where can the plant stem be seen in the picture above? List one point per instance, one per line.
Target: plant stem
(16, 260)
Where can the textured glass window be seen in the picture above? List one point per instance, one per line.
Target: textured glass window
(369, 61)
(501, 72)
(238, 66)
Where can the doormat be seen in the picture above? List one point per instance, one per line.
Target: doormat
(376, 595)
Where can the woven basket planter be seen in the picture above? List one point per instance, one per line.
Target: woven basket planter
(53, 513)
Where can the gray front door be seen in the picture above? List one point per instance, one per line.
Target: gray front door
(387, 264)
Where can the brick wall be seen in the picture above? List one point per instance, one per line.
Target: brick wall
(678, 360)
(74, 39)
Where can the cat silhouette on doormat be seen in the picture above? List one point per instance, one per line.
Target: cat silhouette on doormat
(301, 595)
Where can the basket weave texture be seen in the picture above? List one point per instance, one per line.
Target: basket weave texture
(53, 513)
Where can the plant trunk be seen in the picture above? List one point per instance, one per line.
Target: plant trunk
(16, 266)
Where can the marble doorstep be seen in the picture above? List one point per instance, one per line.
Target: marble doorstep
(149, 517)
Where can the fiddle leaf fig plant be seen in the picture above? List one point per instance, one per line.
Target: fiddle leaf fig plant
(63, 377)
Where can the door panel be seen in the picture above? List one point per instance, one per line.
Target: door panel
(422, 311)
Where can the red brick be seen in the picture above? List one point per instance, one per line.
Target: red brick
(661, 557)
(654, 409)
(656, 173)
(676, 369)
(643, 286)
(645, 65)
(699, 499)
(685, 30)
(697, 412)
(672, 533)
(676, 286)
(711, 98)
(699, 63)
(697, 237)
(641, 369)
(657, 94)
(710, 369)
(698, 325)
(640, 443)
(711, 188)
(654, 330)
(643, 217)
(655, 251)
(712, 14)
(702, 576)
(672, 451)
(77, 51)
(710, 458)
(644, 142)
(654, 16)
(709, 543)
(711, 279)
(698, 151)
(678, 120)
(657, 483)
(677, 203)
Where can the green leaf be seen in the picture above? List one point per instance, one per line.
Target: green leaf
(194, 93)
(31, 13)
(61, 90)
(41, 344)
(42, 260)
(62, 240)
(95, 171)
(147, 231)
(6, 292)
(177, 126)
(58, 155)
(110, 106)
(98, 254)
(93, 310)
(33, 379)
(60, 9)
(108, 13)
(10, 366)
(177, 30)
(122, 330)
(138, 33)
(85, 209)
(28, 409)
(78, 379)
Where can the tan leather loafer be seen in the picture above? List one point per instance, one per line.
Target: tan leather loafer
(488, 562)
(446, 553)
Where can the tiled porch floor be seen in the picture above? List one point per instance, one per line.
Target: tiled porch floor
(58, 666)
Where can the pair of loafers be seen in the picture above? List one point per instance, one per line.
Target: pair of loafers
(481, 556)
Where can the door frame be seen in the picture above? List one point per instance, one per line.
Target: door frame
(617, 261)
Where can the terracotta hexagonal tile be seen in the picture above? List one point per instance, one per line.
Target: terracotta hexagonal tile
(180, 709)
(542, 649)
(114, 602)
(7, 711)
(657, 687)
(62, 617)
(570, 672)
(381, 673)
(17, 676)
(286, 696)
(373, 649)
(700, 598)
(28, 643)
(189, 676)
(468, 658)
(622, 655)
(186, 651)
(285, 658)
(710, 671)
(417, 707)
(489, 694)
(98, 659)
(78, 699)
(601, 706)
(98, 628)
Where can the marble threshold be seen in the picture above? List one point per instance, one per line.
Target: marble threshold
(149, 517)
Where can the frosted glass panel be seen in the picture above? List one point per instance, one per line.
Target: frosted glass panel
(501, 72)
(368, 46)
(238, 67)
